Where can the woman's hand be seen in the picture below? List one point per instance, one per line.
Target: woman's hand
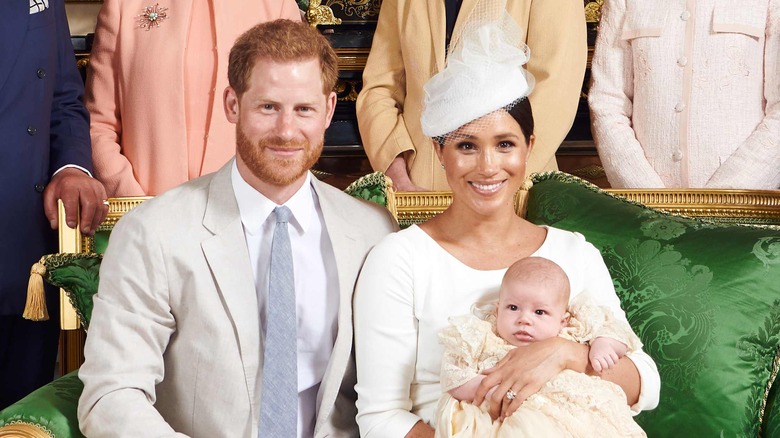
(524, 371)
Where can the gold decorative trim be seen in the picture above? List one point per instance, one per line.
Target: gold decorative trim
(346, 90)
(82, 63)
(760, 206)
(360, 11)
(352, 58)
(592, 171)
(390, 197)
(319, 14)
(730, 206)
(320, 174)
(20, 429)
(415, 207)
(769, 385)
(593, 11)
(72, 241)
(117, 207)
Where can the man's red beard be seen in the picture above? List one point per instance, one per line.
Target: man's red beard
(274, 170)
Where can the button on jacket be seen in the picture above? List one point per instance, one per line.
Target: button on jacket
(686, 93)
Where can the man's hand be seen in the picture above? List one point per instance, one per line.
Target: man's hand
(76, 188)
(400, 176)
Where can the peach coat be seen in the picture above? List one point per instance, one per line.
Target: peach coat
(409, 48)
(136, 92)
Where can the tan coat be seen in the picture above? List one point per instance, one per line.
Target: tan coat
(175, 341)
(409, 48)
(136, 92)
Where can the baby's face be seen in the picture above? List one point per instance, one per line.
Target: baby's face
(530, 312)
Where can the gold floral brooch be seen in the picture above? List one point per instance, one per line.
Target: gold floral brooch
(152, 16)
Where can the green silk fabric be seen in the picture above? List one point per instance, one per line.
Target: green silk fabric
(771, 426)
(51, 407)
(704, 298)
(100, 239)
(371, 187)
(78, 275)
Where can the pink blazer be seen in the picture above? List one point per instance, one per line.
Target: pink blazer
(136, 95)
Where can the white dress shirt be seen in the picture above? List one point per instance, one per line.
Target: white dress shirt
(316, 281)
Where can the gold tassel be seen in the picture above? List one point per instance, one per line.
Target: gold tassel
(35, 309)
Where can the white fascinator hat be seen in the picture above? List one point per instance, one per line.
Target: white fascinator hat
(484, 72)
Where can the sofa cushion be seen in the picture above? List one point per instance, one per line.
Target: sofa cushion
(372, 187)
(51, 408)
(77, 275)
(704, 298)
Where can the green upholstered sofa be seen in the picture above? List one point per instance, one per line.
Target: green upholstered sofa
(700, 288)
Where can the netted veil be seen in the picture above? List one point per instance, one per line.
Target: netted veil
(484, 73)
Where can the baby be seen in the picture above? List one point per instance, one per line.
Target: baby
(532, 306)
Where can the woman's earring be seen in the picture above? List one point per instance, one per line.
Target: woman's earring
(442, 165)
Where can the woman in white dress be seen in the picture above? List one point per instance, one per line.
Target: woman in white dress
(477, 113)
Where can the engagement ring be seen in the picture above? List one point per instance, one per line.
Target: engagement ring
(106, 203)
(511, 395)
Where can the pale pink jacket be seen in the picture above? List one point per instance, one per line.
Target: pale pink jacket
(686, 93)
(136, 92)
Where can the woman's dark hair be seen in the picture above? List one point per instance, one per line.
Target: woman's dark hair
(524, 116)
(520, 110)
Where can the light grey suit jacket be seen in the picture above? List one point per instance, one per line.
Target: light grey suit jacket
(174, 341)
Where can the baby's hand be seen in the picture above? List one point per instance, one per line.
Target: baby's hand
(605, 352)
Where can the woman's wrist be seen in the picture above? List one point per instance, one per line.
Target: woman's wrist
(576, 356)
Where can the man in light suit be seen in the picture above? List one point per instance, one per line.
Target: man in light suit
(179, 327)
(44, 156)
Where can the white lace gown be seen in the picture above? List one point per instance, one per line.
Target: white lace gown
(409, 286)
(570, 405)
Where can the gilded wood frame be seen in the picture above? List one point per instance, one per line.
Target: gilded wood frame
(758, 207)
(72, 241)
(24, 430)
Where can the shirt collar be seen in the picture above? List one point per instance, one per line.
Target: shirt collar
(255, 208)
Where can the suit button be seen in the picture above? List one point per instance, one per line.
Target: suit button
(32, 130)
(680, 107)
(682, 61)
(677, 155)
(685, 15)
(39, 188)
(41, 73)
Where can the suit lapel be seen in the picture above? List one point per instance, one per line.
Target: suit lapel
(13, 32)
(346, 244)
(228, 259)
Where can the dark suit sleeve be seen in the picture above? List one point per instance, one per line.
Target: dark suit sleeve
(69, 133)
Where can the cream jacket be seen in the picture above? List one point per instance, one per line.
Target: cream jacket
(409, 48)
(686, 93)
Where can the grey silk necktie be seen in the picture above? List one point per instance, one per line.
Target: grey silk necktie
(279, 404)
